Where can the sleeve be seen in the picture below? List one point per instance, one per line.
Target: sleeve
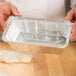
(73, 3)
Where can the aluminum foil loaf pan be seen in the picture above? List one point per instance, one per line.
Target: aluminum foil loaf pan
(35, 31)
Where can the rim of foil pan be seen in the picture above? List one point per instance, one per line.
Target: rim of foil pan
(63, 35)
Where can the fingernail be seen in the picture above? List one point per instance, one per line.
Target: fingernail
(19, 15)
(67, 19)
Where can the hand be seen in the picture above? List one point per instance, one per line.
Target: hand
(71, 16)
(6, 10)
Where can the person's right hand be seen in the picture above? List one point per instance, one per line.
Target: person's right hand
(6, 9)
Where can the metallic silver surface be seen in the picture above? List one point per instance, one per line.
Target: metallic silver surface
(43, 32)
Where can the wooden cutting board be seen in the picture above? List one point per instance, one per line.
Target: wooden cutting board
(46, 61)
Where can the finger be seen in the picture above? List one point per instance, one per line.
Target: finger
(5, 17)
(2, 23)
(74, 9)
(15, 11)
(74, 28)
(73, 38)
(69, 15)
(1, 30)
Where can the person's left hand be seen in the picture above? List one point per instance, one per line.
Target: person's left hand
(71, 16)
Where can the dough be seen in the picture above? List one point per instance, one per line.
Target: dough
(14, 56)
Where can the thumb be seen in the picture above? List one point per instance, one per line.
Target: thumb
(15, 11)
(69, 15)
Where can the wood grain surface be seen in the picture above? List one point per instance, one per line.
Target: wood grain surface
(46, 61)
